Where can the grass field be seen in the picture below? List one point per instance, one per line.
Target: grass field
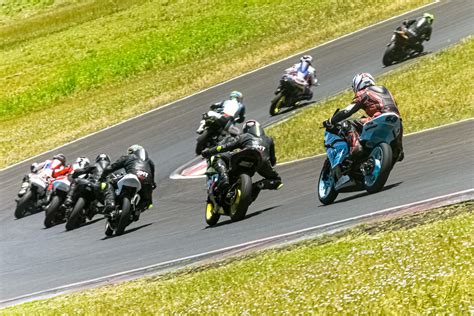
(104, 61)
(423, 100)
(417, 264)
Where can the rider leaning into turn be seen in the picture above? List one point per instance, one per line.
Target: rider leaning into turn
(253, 136)
(374, 100)
(91, 176)
(138, 163)
(230, 112)
(304, 74)
(419, 30)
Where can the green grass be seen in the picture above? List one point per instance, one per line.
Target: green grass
(417, 264)
(431, 91)
(113, 60)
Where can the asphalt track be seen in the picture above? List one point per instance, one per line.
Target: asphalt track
(437, 162)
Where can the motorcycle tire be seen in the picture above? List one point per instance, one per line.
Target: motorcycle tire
(51, 212)
(382, 151)
(389, 55)
(327, 194)
(277, 103)
(76, 217)
(212, 217)
(124, 219)
(25, 203)
(201, 142)
(242, 201)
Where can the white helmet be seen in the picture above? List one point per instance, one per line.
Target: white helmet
(361, 81)
(307, 58)
(81, 163)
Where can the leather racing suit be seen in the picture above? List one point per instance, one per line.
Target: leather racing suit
(305, 76)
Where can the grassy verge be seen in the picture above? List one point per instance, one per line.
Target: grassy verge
(417, 264)
(124, 60)
(424, 99)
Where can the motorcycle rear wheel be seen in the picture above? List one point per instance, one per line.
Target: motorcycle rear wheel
(382, 155)
(277, 103)
(51, 211)
(212, 217)
(243, 198)
(327, 194)
(124, 219)
(76, 217)
(25, 203)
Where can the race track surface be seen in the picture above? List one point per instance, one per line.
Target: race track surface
(437, 162)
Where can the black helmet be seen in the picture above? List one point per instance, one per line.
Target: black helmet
(61, 158)
(253, 127)
(138, 151)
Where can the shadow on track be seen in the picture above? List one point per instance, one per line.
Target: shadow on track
(129, 231)
(87, 223)
(409, 58)
(353, 197)
(226, 222)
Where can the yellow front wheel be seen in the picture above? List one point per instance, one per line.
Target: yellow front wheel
(212, 217)
(277, 104)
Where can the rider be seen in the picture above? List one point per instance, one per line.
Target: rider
(231, 111)
(92, 176)
(57, 165)
(138, 163)
(304, 74)
(253, 136)
(419, 30)
(374, 100)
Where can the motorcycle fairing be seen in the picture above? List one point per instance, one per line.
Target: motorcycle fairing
(61, 184)
(382, 129)
(128, 180)
(337, 148)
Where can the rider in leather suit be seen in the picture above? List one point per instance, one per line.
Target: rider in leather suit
(304, 73)
(253, 136)
(138, 163)
(91, 178)
(419, 30)
(374, 100)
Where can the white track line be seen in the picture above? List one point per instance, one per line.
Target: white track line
(224, 82)
(464, 195)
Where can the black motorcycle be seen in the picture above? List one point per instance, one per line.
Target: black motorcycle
(216, 128)
(287, 95)
(400, 48)
(89, 203)
(54, 213)
(238, 197)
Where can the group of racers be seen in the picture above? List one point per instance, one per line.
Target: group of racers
(373, 99)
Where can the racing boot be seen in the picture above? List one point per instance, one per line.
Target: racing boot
(24, 186)
(221, 169)
(200, 129)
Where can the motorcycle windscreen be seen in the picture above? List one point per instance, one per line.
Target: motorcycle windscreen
(337, 148)
(382, 129)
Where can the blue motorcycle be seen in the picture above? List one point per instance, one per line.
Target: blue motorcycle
(370, 168)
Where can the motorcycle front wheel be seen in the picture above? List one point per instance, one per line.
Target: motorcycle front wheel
(381, 164)
(242, 198)
(277, 103)
(25, 204)
(389, 55)
(326, 191)
(51, 212)
(76, 217)
(201, 142)
(212, 217)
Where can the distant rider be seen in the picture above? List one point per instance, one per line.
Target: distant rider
(89, 175)
(419, 30)
(253, 136)
(57, 165)
(138, 163)
(304, 74)
(229, 111)
(374, 100)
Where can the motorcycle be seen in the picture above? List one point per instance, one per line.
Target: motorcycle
(398, 49)
(87, 205)
(238, 197)
(127, 199)
(287, 95)
(54, 213)
(371, 168)
(35, 191)
(217, 126)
